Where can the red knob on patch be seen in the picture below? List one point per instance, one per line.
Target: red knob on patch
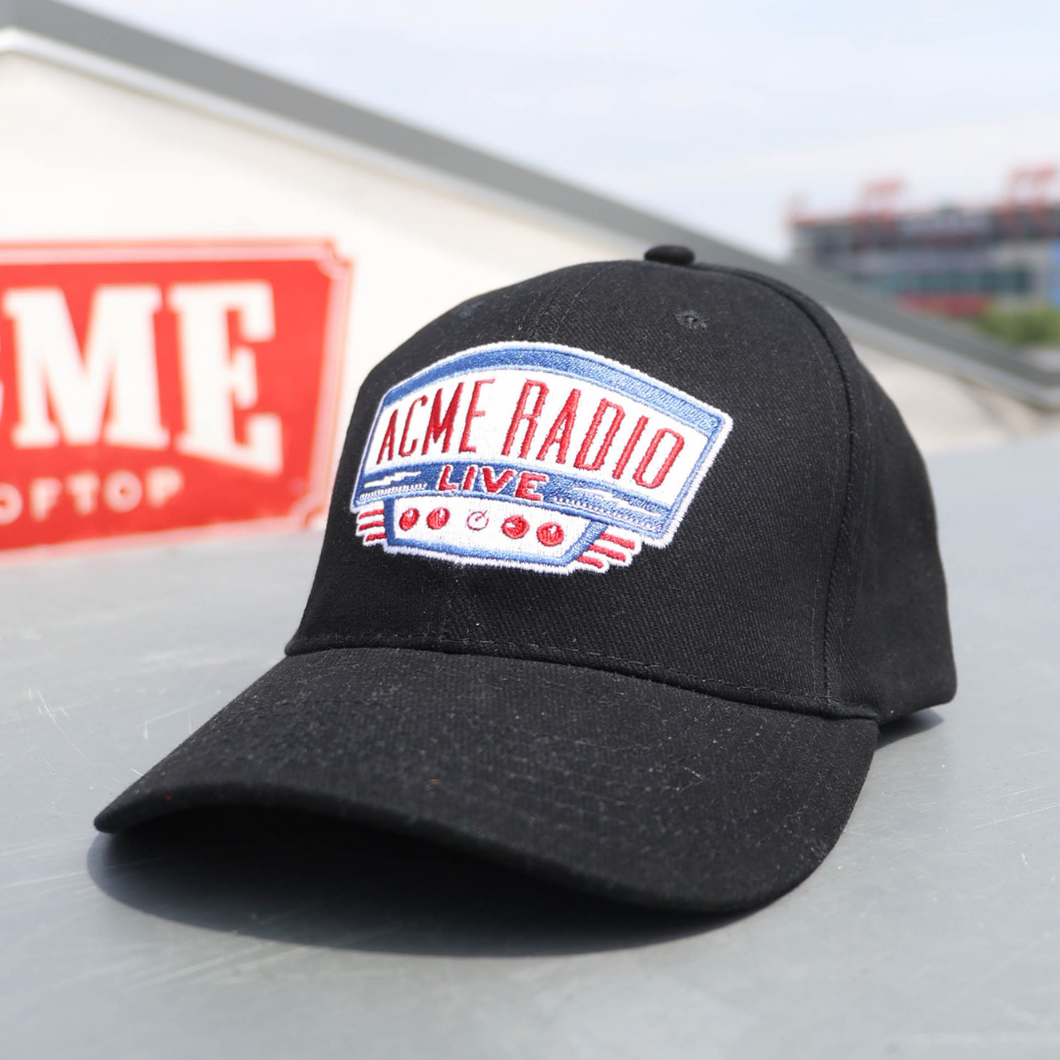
(438, 518)
(515, 527)
(409, 518)
(550, 534)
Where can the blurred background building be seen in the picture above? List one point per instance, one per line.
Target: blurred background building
(957, 261)
(995, 268)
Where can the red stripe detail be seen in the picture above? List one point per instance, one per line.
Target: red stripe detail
(370, 526)
(620, 541)
(591, 562)
(621, 557)
(374, 537)
(374, 511)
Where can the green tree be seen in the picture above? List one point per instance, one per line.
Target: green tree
(1032, 326)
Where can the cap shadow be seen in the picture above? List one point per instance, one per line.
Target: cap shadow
(911, 725)
(309, 880)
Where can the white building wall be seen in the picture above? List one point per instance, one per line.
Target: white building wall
(87, 157)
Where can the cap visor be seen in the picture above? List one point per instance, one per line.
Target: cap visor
(615, 784)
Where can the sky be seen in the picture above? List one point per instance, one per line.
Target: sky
(718, 115)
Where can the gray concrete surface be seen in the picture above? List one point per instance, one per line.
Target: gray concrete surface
(932, 930)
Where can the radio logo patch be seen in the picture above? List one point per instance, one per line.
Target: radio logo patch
(532, 456)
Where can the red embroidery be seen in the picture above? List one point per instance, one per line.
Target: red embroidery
(472, 414)
(421, 400)
(679, 444)
(437, 423)
(524, 487)
(444, 485)
(388, 439)
(495, 485)
(469, 477)
(598, 417)
(438, 518)
(409, 518)
(630, 446)
(515, 527)
(560, 431)
(521, 414)
(620, 556)
(550, 534)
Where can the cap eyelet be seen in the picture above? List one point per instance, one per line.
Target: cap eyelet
(689, 318)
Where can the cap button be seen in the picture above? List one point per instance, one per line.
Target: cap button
(666, 254)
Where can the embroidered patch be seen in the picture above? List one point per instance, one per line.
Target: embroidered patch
(533, 456)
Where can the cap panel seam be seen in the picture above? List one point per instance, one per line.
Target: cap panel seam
(604, 268)
(531, 313)
(537, 305)
(537, 309)
(801, 702)
(843, 529)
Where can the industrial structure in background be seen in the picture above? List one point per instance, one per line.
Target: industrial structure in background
(956, 261)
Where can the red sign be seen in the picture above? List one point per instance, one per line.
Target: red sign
(146, 388)
(950, 305)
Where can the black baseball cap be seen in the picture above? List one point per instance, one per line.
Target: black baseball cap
(625, 566)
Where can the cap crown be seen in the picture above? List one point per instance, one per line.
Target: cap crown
(804, 572)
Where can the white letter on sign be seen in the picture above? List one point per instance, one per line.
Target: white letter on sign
(119, 361)
(216, 378)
